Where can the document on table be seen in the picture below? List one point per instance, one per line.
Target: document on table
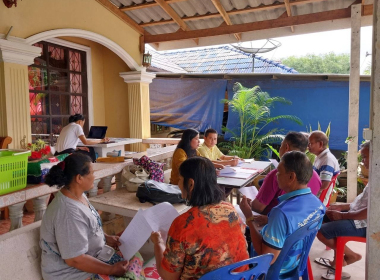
(227, 170)
(249, 192)
(156, 218)
(258, 165)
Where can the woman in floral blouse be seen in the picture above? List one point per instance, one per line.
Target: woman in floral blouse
(208, 236)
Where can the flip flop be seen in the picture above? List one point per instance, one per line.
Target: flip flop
(324, 262)
(330, 275)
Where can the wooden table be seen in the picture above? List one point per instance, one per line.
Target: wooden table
(125, 203)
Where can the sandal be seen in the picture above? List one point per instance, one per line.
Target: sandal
(324, 262)
(330, 275)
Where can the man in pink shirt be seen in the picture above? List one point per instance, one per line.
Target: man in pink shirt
(266, 199)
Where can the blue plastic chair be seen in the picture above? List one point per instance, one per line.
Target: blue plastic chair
(258, 271)
(307, 234)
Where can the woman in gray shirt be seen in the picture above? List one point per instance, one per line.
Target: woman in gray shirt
(72, 239)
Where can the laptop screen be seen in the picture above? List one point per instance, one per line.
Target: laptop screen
(97, 132)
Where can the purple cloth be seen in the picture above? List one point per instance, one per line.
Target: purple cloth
(269, 191)
(155, 169)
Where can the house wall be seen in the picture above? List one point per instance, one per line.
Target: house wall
(33, 17)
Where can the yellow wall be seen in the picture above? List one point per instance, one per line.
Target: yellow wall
(110, 99)
(31, 17)
(116, 96)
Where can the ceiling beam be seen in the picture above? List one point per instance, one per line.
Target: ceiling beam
(289, 12)
(260, 25)
(232, 12)
(146, 5)
(224, 15)
(169, 10)
(124, 17)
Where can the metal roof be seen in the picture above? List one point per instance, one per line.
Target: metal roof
(221, 59)
(198, 15)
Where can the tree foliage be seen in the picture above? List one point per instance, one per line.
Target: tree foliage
(254, 109)
(330, 63)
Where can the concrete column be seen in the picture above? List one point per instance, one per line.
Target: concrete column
(373, 229)
(16, 212)
(118, 180)
(106, 183)
(139, 108)
(14, 90)
(94, 191)
(39, 207)
(353, 110)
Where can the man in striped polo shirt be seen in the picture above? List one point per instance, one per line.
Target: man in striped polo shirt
(325, 164)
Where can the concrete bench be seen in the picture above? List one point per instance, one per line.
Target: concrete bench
(20, 253)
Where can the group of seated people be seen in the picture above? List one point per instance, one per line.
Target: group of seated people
(210, 234)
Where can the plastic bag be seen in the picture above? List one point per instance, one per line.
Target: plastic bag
(133, 176)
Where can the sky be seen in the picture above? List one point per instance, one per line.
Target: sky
(337, 41)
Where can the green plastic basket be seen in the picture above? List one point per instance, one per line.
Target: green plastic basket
(13, 164)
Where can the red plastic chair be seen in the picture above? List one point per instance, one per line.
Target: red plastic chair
(325, 191)
(322, 198)
(340, 243)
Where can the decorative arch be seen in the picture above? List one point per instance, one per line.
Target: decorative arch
(86, 35)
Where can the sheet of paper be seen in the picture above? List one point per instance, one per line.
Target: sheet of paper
(160, 217)
(274, 162)
(231, 181)
(135, 235)
(238, 175)
(227, 170)
(257, 165)
(238, 210)
(250, 192)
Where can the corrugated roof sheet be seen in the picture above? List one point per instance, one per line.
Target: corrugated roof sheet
(221, 59)
(190, 8)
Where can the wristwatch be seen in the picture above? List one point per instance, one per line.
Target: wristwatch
(250, 218)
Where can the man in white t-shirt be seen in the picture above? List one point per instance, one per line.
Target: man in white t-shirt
(349, 219)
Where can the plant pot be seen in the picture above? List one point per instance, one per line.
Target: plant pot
(333, 197)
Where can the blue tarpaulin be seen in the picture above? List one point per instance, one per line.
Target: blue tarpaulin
(313, 102)
(187, 103)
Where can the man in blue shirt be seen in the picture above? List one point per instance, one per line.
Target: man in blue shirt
(298, 207)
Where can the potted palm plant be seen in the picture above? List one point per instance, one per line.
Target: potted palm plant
(254, 108)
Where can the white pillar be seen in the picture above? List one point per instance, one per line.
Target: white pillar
(107, 183)
(94, 191)
(16, 212)
(39, 207)
(139, 108)
(15, 56)
(353, 111)
(373, 229)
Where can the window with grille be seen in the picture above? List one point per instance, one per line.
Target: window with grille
(57, 89)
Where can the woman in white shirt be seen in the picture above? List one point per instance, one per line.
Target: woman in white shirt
(71, 134)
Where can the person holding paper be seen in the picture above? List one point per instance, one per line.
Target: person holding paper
(71, 237)
(186, 148)
(208, 236)
(298, 207)
(211, 151)
(267, 198)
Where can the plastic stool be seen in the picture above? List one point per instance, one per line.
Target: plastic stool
(340, 243)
